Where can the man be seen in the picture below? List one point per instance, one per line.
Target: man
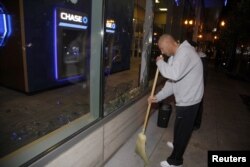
(204, 60)
(185, 80)
(203, 57)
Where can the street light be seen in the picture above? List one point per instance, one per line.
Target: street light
(222, 23)
(190, 22)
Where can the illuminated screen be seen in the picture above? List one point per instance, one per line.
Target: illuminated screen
(72, 53)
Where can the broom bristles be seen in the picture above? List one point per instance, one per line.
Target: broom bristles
(140, 148)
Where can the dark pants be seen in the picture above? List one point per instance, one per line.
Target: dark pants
(197, 122)
(184, 123)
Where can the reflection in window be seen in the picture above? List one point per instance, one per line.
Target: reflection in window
(122, 52)
(159, 28)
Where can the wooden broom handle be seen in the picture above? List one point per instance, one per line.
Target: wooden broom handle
(149, 104)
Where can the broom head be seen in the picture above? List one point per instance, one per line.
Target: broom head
(140, 147)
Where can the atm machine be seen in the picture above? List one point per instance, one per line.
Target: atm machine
(116, 52)
(112, 53)
(49, 46)
(70, 46)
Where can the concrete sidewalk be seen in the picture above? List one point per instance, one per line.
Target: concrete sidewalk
(225, 126)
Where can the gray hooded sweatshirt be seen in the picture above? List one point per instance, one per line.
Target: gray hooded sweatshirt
(184, 72)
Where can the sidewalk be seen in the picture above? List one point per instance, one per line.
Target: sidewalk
(225, 126)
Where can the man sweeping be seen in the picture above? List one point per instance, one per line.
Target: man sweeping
(184, 72)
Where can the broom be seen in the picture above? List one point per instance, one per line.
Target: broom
(141, 138)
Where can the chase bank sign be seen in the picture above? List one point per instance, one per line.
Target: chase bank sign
(72, 19)
(110, 26)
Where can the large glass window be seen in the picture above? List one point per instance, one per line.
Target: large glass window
(49, 81)
(50, 67)
(122, 52)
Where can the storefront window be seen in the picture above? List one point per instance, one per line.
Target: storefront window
(50, 68)
(122, 52)
(48, 80)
